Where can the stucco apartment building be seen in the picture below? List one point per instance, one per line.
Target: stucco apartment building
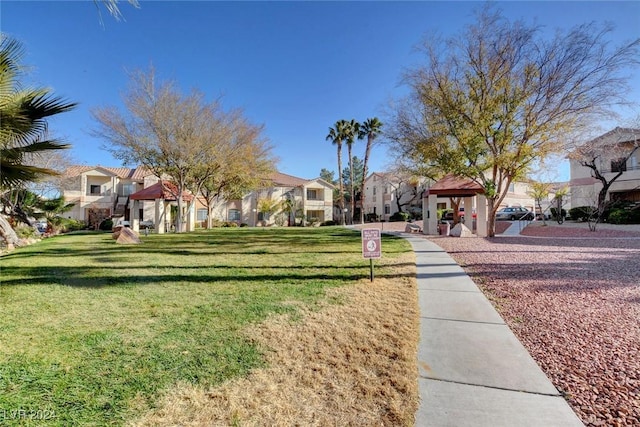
(100, 192)
(612, 148)
(384, 190)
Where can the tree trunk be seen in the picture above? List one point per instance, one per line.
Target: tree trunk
(544, 219)
(352, 189)
(596, 219)
(7, 233)
(341, 198)
(491, 220)
(365, 170)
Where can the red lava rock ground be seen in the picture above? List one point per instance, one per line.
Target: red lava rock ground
(572, 297)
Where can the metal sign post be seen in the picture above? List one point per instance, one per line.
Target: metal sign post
(371, 246)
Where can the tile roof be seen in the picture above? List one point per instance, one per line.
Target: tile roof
(137, 173)
(453, 186)
(616, 136)
(157, 191)
(284, 180)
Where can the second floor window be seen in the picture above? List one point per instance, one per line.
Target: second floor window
(94, 189)
(314, 194)
(128, 189)
(619, 165)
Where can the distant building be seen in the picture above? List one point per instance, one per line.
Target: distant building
(611, 149)
(388, 193)
(100, 192)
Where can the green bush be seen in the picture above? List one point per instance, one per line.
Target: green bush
(327, 223)
(70, 224)
(106, 224)
(624, 216)
(615, 206)
(554, 212)
(25, 232)
(371, 217)
(399, 216)
(581, 213)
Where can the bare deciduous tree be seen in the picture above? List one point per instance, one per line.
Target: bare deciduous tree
(490, 102)
(606, 158)
(175, 135)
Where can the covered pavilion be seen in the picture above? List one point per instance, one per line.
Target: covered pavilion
(162, 193)
(453, 186)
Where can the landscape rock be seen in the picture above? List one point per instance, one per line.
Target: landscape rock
(412, 228)
(460, 230)
(127, 236)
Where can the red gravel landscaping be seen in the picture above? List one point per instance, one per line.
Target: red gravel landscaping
(573, 299)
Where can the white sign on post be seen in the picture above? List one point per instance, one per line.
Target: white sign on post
(371, 247)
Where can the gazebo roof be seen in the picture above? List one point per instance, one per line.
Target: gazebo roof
(454, 186)
(160, 191)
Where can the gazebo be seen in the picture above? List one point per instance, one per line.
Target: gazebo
(162, 193)
(453, 186)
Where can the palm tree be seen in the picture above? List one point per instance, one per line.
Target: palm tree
(370, 129)
(23, 125)
(352, 130)
(337, 136)
(113, 8)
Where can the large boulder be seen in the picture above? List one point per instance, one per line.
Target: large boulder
(460, 230)
(127, 236)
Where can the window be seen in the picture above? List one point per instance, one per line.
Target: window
(619, 165)
(374, 191)
(512, 188)
(387, 209)
(128, 189)
(234, 215)
(314, 194)
(201, 215)
(94, 189)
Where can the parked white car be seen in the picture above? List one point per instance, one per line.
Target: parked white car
(514, 213)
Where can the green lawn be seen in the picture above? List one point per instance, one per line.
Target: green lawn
(92, 331)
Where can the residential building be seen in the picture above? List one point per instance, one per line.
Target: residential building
(310, 202)
(615, 151)
(388, 193)
(100, 192)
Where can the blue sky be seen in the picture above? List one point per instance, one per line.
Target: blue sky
(295, 67)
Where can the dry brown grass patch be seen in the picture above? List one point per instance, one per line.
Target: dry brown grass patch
(352, 363)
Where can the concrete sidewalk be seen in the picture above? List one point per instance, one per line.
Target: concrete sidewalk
(472, 370)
